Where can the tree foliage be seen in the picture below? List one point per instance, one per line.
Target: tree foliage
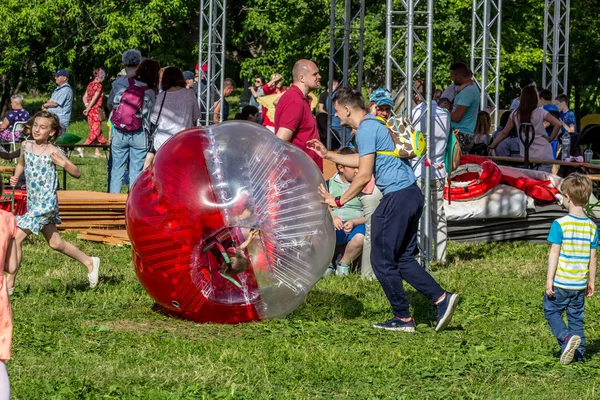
(266, 36)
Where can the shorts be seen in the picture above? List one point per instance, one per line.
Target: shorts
(342, 237)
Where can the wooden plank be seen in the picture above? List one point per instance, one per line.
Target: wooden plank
(119, 233)
(105, 240)
(84, 196)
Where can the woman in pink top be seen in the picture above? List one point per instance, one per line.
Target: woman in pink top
(529, 112)
(8, 229)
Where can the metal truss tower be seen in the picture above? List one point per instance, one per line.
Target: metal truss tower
(347, 26)
(405, 30)
(485, 52)
(212, 53)
(555, 67)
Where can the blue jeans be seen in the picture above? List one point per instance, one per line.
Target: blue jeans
(571, 301)
(127, 147)
(394, 227)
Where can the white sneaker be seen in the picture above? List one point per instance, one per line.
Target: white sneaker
(342, 270)
(330, 271)
(93, 277)
(80, 152)
(11, 291)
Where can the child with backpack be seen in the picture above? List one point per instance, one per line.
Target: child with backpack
(132, 109)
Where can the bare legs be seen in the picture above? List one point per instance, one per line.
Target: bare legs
(353, 249)
(54, 241)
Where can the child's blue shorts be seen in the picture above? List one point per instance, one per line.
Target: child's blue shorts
(342, 237)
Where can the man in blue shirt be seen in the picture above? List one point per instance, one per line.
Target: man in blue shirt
(395, 222)
(465, 107)
(61, 101)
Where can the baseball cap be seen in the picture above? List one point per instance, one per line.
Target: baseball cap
(188, 75)
(382, 97)
(62, 72)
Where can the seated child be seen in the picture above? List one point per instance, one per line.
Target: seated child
(571, 268)
(349, 221)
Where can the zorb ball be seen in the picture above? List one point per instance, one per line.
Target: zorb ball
(211, 189)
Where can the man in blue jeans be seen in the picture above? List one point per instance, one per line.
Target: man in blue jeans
(396, 219)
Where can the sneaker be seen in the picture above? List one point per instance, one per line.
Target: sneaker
(330, 271)
(570, 347)
(93, 277)
(11, 291)
(396, 324)
(342, 270)
(80, 152)
(446, 309)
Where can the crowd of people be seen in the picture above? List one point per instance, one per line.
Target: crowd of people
(376, 197)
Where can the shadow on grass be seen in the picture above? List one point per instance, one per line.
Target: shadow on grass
(83, 285)
(592, 347)
(480, 251)
(321, 305)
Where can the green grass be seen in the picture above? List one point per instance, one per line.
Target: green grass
(110, 343)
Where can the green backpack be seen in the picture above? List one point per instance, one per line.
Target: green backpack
(452, 157)
(453, 153)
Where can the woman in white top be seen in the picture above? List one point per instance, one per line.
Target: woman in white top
(176, 107)
(529, 112)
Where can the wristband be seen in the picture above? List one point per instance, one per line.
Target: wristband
(338, 203)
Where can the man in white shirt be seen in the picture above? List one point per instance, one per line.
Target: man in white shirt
(441, 129)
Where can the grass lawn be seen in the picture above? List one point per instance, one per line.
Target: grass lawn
(71, 342)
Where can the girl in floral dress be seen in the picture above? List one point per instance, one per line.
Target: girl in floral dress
(92, 99)
(39, 159)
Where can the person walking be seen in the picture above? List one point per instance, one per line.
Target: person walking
(92, 100)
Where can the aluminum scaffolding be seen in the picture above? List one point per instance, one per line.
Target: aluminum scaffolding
(212, 53)
(485, 52)
(415, 19)
(347, 26)
(555, 67)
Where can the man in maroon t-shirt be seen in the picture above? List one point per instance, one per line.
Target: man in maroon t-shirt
(294, 121)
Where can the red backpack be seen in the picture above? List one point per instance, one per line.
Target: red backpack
(127, 117)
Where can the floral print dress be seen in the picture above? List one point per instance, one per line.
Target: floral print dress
(20, 115)
(93, 116)
(42, 183)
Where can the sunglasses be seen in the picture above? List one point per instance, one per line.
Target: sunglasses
(258, 81)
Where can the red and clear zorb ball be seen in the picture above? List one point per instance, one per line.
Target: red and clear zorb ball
(208, 191)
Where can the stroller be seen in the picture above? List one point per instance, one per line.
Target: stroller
(589, 136)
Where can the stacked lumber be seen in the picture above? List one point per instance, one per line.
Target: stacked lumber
(81, 210)
(113, 237)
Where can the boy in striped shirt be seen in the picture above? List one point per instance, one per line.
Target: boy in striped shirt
(571, 268)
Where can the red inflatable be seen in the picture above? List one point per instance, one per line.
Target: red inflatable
(472, 179)
(221, 194)
(541, 191)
